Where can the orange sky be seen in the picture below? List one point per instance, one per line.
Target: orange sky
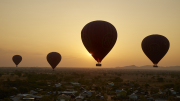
(33, 28)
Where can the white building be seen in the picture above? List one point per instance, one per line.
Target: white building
(68, 92)
(58, 85)
(118, 91)
(173, 92)
(79, 98)
(24, 97)
(121, 93)
(75, 83)
(133, 96)
(33, 92)
(111, 84)
(86, 94)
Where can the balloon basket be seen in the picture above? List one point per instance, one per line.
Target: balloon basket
(155, 66)
(98, 64)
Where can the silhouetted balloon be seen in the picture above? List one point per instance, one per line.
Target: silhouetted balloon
(53, 59)
(17, 59)
(99, 38)
(155, 47)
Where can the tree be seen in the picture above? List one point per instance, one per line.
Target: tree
(153, 77)
(160, 79)
(172, 75)
(168, 86)
(8, 80)
(1, 74)
(46, 98)
(13, 91)
(146, 85)
(6, 99)
(136, 85)
(143, 98)
(23, 89)
(154, 90)
(18, 73)
(170, 98)
(82, 76)
(168, 93)
(122, 94)
(118, 79)
(3, 94)
(93, 96)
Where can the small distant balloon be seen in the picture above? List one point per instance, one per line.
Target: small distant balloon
(155, 47)
(17, 59)
(53, 59)
(99, 38)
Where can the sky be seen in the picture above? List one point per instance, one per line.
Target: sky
(34, 28)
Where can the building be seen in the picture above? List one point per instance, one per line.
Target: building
(98, 96)
(33, 92)
(86, 94)
(58, 85)
(79, 98)
(68, 92)
(82, 89)
(173, 92)
(133, 97)
(26, 97)
(75, 83)
(111, 84)
(121, 93)
(63, 98)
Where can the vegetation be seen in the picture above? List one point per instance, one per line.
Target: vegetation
(14, 81)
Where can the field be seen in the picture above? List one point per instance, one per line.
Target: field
(140, 76)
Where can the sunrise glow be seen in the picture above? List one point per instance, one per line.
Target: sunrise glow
(90, 54)
(34, 28)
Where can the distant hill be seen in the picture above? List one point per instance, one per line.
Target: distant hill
(150, 67)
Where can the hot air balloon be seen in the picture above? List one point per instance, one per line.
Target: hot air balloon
(155, 47)
(99, 38)
(17, 59)
(53, 59)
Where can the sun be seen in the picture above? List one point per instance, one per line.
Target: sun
(90, 54)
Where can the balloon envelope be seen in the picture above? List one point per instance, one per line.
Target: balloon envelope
(53, 59)
(99, 38)
(155, 47)
(17, 59)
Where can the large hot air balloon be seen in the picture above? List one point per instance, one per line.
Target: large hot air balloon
(99, 38)
(53, 59)
(155, 47)
(17, 59)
